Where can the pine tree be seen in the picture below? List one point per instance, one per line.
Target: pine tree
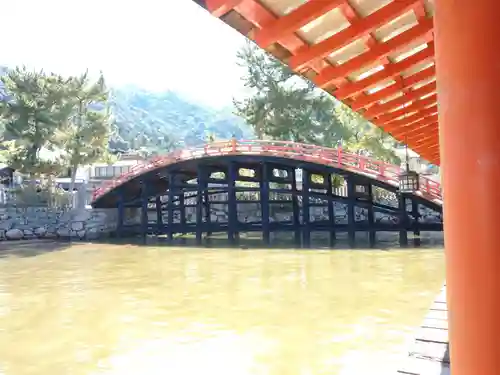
(285, 106)
(85, 134)
(30, 114)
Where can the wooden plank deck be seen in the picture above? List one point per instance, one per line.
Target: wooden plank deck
(429, 353)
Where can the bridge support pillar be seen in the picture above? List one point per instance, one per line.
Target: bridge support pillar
(331, 209)
(121, 214)
(296, 209)
(264, 203)
(306, 213)
(468, 79)
(372, 233)
(170, 207)
(182, 210)
(351, 202)
(159, 216)
(144, 210)
(206, 202)
(232, 222)
(415, 213)
(201, 189)
(403, 220)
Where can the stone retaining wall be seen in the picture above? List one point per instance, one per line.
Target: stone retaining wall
(41, 222)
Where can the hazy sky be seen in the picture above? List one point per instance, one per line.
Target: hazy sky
(155, 44)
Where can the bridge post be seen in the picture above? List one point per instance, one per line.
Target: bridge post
(170, 206)
(201, 189)
(159, 216)
(144, 209)
(206, 201)
(306, 214)
(264, 203)
(468, 78)
(351, 202)
(403, 220)
(415, 213)
(232, 222)
(121, 213)
(372, 233)
(296, 209)
(331, 210)
(182, 210)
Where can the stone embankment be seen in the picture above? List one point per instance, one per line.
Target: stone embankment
(41, 222)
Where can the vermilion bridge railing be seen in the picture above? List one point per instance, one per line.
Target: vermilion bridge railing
(335, 157)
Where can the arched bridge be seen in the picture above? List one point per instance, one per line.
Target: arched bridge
(269, 186)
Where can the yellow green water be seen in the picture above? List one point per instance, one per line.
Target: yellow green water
(124, 309)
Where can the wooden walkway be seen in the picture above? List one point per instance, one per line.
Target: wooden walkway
(429, 354)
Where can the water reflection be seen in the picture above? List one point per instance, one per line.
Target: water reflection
(108, 309)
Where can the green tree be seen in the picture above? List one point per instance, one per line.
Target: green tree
(285, 106)
(109, 158)
(84, 136)
(30, 116)
(365, 138)
(282, 105)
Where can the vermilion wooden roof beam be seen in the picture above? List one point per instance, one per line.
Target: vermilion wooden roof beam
(350, 34)
(412, 96)
(332, 74)
(406, 121)
(220, 7)
(260, 16)
(294, 20)
(416, 106)
(400, 96)
(415, 127)
(403, 84)
(393, 70)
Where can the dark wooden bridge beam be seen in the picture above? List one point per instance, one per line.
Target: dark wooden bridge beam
(231, 177)
(159, 215)
(351, 195)
(266, 173)
(295, 209)
(170, 206)
(202, 190)
(331, 209)
(187, 206)
(144, 209)
(371, 217)
(306, 213)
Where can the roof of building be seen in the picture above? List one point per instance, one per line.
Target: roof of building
(377, 56)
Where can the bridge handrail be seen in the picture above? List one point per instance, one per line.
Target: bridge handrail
(293, 150)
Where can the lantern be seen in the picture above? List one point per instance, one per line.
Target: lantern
(408, 180)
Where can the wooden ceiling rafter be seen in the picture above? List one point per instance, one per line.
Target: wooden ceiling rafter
(358, 29)
(392, 71)
(419, 129)
(415, 106)
(391, 105)
(403, 84)
(390, 81)
(293, 21)
(331, 74)
(410, 119)
(427, 145)
(415, 135)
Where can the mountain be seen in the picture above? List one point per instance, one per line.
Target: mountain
(158, 122)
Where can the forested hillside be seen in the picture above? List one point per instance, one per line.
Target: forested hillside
(158, 122)
(161, 121)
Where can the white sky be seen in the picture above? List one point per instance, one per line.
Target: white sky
(155, 44)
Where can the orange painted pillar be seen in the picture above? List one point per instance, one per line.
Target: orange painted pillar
(467, 36)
